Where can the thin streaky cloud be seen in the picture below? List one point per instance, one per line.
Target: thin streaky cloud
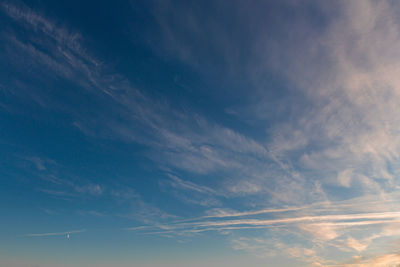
(187, 185)
(267, 226)
(57, 233)
(312, 136)
(339, 220)
(318, 207)
(219, 229)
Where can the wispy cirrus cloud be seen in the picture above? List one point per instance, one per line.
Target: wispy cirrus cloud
(316, 229)
(333, 138)
(341, 219)
(56, 233)
(187, 185)
(390, 259)
(183, 141)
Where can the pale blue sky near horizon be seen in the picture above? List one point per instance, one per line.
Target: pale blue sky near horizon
(199, 133)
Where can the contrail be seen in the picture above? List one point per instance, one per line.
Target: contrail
(58, 233)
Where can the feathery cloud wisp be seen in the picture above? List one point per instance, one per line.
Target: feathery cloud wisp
(56, 233)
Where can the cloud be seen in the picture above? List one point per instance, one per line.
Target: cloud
(356, 245)
(91, 189)
(38, 163)
(319, 230)
(55, 234)
(191, 193)
(174, 140)
(357, 84)
(185, 141)
(343, 128)
(332, 136)
(57, 193)
(186, 185)
(386, 260)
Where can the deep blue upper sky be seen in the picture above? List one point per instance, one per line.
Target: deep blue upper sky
(199, 133)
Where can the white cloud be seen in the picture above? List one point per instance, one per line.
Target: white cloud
(56, 233)
(386, 260)
(321, 231)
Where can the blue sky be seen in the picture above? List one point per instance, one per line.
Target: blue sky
(199, 133)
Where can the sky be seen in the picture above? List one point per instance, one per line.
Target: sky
(199, 133)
